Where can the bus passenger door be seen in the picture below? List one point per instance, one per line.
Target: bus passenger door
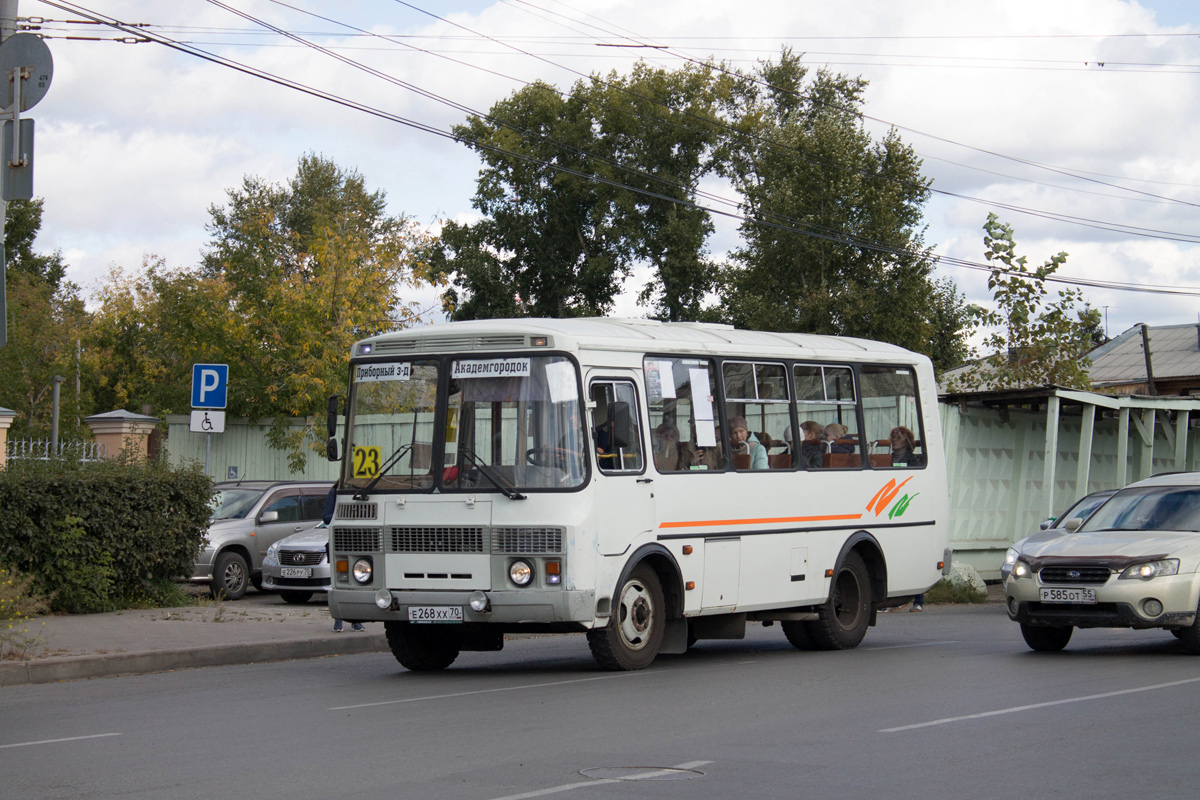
(624, 491)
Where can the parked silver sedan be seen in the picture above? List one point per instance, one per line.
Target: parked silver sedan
(1133, 563)
(298, 566)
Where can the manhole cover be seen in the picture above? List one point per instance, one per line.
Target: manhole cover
(641, 773)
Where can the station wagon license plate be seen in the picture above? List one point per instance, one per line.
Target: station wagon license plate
(432, 614)
(295, 572)
(1067, 594)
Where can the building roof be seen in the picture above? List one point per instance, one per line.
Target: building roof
(1174, 353)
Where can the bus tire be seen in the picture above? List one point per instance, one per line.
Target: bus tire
(231, 577)
(421, 648)
(1046, 639)
(842, 621)
(798, 634)
(635, 629)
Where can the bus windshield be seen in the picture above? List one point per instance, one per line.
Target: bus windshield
(510, 424)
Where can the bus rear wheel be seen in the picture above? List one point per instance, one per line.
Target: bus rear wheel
(635, 629)
(422, 648)
(842, 621)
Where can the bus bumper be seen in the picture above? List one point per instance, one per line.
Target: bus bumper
(508, 608)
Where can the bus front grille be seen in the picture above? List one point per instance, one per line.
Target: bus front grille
(357, 540)
(474, 539)
(437, 539)
(357, 511)
(526, 541)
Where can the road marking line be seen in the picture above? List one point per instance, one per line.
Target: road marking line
(1047, 704)
(56, 741)
(485, 691)
(566, 787)
(903, 646)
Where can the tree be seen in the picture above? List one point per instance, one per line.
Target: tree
(833, 244)
(560, 231)
(1034, 341)
(293, 277)
(45, 319)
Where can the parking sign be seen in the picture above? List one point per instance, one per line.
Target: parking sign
(209, 385)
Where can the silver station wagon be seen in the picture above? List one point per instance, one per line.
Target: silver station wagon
(1133, 563)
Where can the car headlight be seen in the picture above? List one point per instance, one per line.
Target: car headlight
(362, 570)
(273, 552)
(1010, 557)
(1148, 570)
(1021, 569)
(520, 572)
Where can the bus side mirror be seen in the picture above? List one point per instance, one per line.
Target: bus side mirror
(622, 424)
(331, 446)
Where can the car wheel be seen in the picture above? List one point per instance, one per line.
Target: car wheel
(1189, 637)
(635, 629)
(1046, 639)
(842, 621)
(231, 576)
(422, 648)
(295, 598)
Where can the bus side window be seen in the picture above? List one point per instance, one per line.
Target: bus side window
(616, 430)
(756, 396)
(686, 434)
(827, 408)
(892, 418)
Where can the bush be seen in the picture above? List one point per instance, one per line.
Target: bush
(18, 602)
(945, 591)
(101, 536)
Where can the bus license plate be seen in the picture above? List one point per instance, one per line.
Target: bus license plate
(430, 614)
(295, 572)
(1067, 595)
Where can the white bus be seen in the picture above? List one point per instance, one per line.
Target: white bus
(647, 483)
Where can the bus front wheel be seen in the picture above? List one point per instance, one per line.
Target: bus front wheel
(422, 648)
(842, 621)
(634, 632)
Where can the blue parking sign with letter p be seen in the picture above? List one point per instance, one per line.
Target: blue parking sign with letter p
(209, 385)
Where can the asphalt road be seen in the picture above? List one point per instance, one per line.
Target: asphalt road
(946, 704)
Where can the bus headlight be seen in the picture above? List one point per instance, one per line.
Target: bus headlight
(478, 601)
(383, 599)
(363, 569)
(520, 572)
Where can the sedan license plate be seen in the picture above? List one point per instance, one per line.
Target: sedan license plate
(1067, 594)
(295, 572)
(431, 614)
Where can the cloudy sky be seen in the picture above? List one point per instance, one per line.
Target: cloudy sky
(1074, 120)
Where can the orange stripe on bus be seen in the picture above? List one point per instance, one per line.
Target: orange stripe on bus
(705, 523)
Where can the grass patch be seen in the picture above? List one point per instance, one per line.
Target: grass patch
(946, 592)
(19, 601)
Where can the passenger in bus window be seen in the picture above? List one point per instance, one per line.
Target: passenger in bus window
(693, 456)
(833, 432)
(745, 442)
(665, 440)
(810, 446)
(903, 444)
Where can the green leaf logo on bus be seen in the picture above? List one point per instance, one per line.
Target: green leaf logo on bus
(879, 503)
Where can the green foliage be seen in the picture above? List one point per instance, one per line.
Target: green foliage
(555, 242)
(1034, 340)
(294, 276)
(22, 220)
(801, 158)
(947, 591)
(95, 537)
(19, 602)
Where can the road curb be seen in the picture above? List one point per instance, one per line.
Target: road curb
(68, 668)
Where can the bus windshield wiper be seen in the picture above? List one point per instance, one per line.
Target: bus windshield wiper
(508, 491)
(398, 454)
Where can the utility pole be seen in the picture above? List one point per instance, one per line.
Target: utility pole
(8, 26)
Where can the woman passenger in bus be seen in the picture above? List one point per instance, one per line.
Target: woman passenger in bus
(746, 442)
(665, 442)
(903, 443)
(833, 432)
(810, 446)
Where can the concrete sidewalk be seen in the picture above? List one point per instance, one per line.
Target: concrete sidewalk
(157, 640)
